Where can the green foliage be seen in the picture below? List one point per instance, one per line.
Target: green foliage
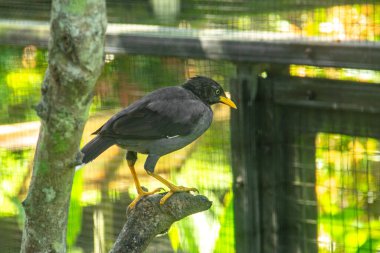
(225, 242)
(208, 169)
(74, 224)
(14, 166)
(21, 74)
(187, 240)
(346, 186)
(162, 72)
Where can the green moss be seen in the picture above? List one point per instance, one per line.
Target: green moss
(42, 167)
(76, 7)
(59, 247)
(49, 194)
(59, 143)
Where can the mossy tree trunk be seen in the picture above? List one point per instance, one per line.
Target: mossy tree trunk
(76, 50)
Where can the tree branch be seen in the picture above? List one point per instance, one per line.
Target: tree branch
(76, 50)
(149, 219)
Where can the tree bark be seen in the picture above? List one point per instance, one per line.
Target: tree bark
(149, 218)
(76, 50)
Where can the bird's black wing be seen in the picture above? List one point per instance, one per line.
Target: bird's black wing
(156, 119)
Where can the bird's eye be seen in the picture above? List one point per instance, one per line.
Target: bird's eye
(217, 92)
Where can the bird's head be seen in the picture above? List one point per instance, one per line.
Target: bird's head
(208, 90)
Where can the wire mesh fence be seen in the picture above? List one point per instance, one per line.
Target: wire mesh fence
(104, 188)
(345, 184)
(306, 19)
(317, 182)
(317, 169)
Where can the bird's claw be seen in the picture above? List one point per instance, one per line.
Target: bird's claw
(142, 193)
(176, 189)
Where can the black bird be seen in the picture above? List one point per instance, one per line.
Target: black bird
(159, 123)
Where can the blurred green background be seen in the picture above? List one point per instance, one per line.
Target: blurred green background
(103, 189)
(347, 172)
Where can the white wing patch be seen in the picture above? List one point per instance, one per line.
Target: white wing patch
(171, 137)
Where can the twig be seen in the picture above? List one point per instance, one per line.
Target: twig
(149, 219)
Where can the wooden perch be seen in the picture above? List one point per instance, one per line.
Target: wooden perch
(149, 219)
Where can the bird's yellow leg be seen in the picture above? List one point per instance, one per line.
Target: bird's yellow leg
(173, 188)
(140, 191)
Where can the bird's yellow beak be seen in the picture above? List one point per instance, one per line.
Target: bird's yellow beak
(227, 101)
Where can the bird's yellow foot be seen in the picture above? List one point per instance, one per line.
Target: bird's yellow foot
(141, 194)
(174, 189)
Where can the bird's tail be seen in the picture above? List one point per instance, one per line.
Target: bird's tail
(95, 147)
